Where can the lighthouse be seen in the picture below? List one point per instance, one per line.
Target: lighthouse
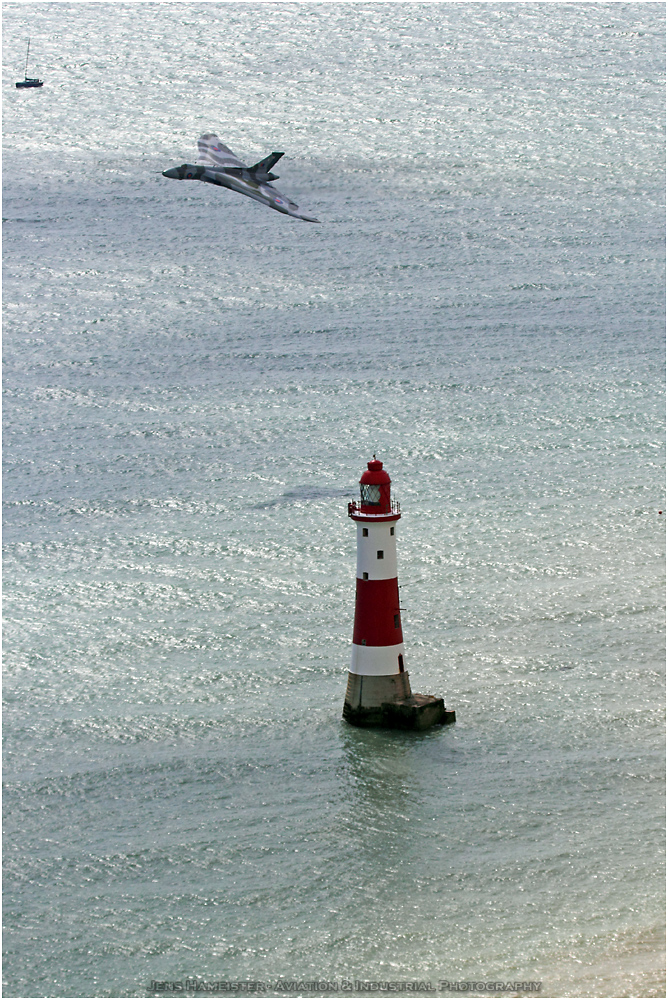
(379, 691)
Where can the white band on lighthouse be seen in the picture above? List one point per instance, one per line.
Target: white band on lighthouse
(376, 551)
(377, 661)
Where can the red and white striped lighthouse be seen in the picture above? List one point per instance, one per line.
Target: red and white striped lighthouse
(379, 692)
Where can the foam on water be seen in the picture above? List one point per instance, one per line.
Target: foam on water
(192, 387)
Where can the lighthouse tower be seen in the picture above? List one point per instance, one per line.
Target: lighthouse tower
(379, 692)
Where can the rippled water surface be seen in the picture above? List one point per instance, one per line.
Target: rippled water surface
(193, 385)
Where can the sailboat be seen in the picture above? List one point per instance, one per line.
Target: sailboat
(29, 81)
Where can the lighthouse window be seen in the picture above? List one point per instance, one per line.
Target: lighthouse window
(392, 530)
(401, 664)
(365, 576)
(370, 494)
(365, 532)
(379, 554)
(397, 623)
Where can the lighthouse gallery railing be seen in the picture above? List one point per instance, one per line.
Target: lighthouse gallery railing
(357, 507)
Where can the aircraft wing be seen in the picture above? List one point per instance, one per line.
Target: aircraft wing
(283, 204)
(215, 154)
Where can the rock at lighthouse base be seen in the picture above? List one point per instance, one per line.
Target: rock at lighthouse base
(387, 702)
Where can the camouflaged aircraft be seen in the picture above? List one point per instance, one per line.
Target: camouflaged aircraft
(216, 164)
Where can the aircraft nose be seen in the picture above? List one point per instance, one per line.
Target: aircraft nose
(172, 172)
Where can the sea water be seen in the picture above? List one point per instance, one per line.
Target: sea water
(193, 386)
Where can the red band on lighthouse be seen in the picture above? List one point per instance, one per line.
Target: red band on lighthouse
(377, 615)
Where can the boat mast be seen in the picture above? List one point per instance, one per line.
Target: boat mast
(27, 54)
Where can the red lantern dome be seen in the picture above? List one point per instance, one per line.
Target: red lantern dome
(375, 495)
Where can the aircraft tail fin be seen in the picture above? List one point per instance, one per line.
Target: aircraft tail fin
(263, 168)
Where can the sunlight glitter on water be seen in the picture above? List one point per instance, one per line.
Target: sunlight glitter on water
(193, 385)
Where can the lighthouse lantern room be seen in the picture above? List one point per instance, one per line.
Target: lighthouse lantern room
(379, 691)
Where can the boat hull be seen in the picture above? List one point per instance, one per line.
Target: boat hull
(22, 84)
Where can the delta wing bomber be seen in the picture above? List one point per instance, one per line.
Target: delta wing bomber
(216, 164)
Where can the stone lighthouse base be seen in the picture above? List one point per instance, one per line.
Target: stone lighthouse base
(387, 701)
